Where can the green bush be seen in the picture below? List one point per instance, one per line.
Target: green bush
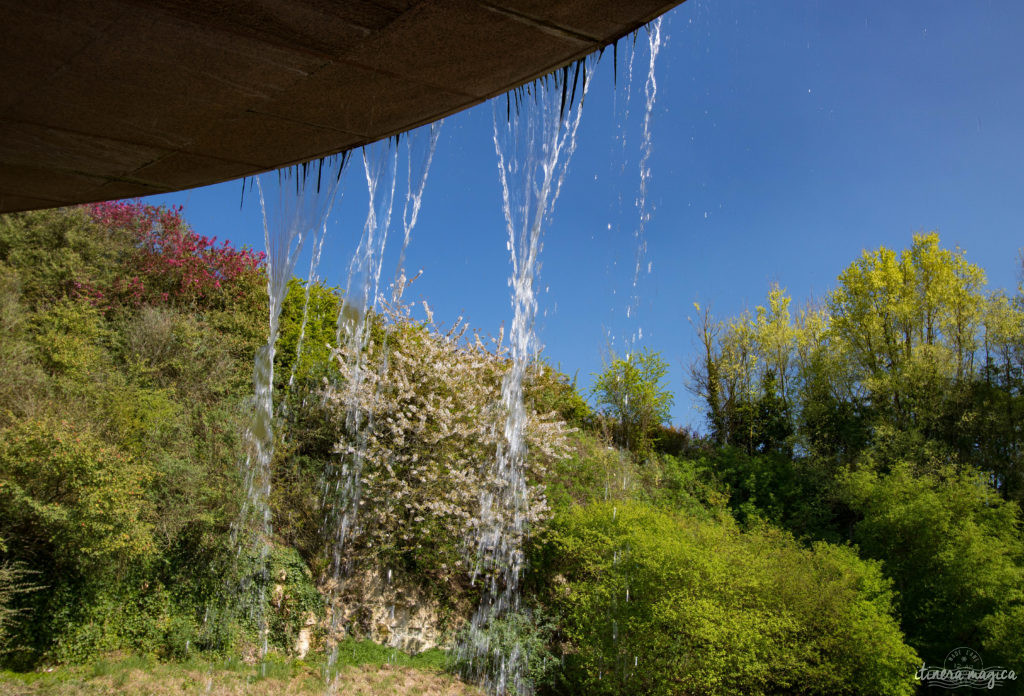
(595, 471)
(954, 549)
(52, 250)
(15, 582)
(72, 496)
(120, 434)
(293, 598)
(525, 634)
(23, 388)
(89, 619)
(683, 485)
(549, 390)
(794, 494)
(653, 603)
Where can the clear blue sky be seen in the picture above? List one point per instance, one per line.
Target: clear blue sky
(788, 136)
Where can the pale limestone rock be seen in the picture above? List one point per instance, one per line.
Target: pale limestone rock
(305, 639)
(391, 612)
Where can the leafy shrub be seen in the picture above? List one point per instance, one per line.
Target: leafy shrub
(794, 494)
(119, 438)
(22, 382)
(551, 391)
(15, 582)
(53, 250)
(293, 599)
(593, 471)
(66, 491)
(596, 471)
(89, 618)
(69, 338)
(954, 550)
(683, 485)
(653, 603)
(525, 634)
(167, 349)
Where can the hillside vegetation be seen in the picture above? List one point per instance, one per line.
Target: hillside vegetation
(852, 513)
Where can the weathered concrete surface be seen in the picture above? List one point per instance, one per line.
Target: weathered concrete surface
(113, 98)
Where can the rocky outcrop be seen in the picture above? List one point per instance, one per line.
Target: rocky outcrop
(390, 611)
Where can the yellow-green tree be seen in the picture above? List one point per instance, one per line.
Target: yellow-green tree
(632, 392)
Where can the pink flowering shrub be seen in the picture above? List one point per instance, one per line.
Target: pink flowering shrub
(169, 263)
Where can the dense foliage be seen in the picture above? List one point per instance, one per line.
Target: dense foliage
(853, 512)
(120, 410)
(659, 603)
(887, 416)
(434, 424)
(632, 393)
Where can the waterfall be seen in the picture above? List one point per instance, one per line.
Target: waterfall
(534, 143)
(294, 205)
(342, 482)
(534, 135)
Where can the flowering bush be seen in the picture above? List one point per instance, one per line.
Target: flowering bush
(432, 424)
(169, 262)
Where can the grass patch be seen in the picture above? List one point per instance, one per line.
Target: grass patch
(363, 668)
(354, 653)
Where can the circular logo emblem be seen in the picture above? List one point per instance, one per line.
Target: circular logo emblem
(962, 658)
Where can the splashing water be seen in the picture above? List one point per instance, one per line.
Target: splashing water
(533, 144)
(342, 484)
(300, 208)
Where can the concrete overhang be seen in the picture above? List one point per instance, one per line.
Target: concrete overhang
(107, 99)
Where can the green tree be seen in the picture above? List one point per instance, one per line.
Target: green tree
(908, 356)
(309, 315)
(632, 391)
(746, 375)
(910, 323)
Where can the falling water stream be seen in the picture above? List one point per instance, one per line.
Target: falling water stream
(294, 204)
(312, 278)
(534, 143)
(623, 110)
(342, 484)
(646, 146)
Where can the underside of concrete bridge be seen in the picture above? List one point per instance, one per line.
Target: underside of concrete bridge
(107, 99)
